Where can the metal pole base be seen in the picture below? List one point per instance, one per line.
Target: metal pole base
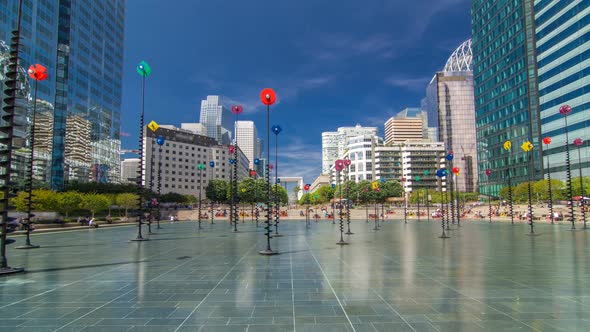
(139, 238)
(277, 235)
(349, 233)
(235, 231)
(28, 246)
(533, 234)
(268, 252)
(11, 270)
(444, 236)
(342, 243)
(376, 228)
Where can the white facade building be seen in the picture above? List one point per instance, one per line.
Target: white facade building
(334, 143)
(246, 137)
(129, 169)
(178, 161)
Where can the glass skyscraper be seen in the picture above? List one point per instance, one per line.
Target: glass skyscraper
(563, 57)
(217, 119)
(81, 44)
(456, 115)
(506, 93)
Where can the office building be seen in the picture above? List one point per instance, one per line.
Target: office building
(321, 181)
(334, 143)
(179, 157)
(246, 137)
(563, 60)
(81, 44)
(456, 115)
(196, 128)
(129, 170)
(410, 123)
(217, 119)
(506, 92)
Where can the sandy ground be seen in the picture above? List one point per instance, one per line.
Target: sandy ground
(540, 213)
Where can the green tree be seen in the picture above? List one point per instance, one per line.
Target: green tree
(172, 198)
(94, 203)
(217, 190)
(127, 201)
(45, 200)
(325, 194)
(190, 199)
(282, 193)
(69, 201)
(20, 201)
(577, 189)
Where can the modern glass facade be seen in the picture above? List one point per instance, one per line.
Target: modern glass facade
(81, 45)
(506, 98)
(456, 115)
(217, 119)
(563, 55)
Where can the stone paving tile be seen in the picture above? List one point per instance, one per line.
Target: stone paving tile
(486, 277)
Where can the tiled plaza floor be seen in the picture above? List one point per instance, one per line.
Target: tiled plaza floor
(489, 277)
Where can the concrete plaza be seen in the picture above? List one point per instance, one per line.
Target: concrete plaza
(401, 278)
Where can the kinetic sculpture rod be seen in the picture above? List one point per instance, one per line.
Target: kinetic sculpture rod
(7, 129)
(160, 141)
(268, 97)
(565, 110)
(339, 166)
(143, 69)
(38, 73)
(547, 141)
(508, 147)
(277, 130)
(578, 142)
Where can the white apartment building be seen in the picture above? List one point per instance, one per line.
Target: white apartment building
(334, 143)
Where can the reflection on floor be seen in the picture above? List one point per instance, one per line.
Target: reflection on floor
(400, 278)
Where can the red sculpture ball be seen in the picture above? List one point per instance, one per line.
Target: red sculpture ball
(306, 187)
(268, 96)
(488, 172)
(565, 110)
(37, 72)
(578, 142)
(455, 170)
(547, 140)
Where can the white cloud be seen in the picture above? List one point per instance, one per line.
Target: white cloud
(409, 83)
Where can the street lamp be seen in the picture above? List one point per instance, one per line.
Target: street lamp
(233, 193)
(307, 219)
(143, 69)
(236, 110)
(450, 157)
(38, 73)
(268, 97)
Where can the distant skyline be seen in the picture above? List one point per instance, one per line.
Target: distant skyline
(330, 66)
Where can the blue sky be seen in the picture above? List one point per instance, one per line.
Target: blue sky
(331, 63)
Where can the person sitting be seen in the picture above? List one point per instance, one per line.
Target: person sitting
(92, 223)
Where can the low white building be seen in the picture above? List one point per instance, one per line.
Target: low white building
(178, 159)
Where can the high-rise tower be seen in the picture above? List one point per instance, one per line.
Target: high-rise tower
(217, 119)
